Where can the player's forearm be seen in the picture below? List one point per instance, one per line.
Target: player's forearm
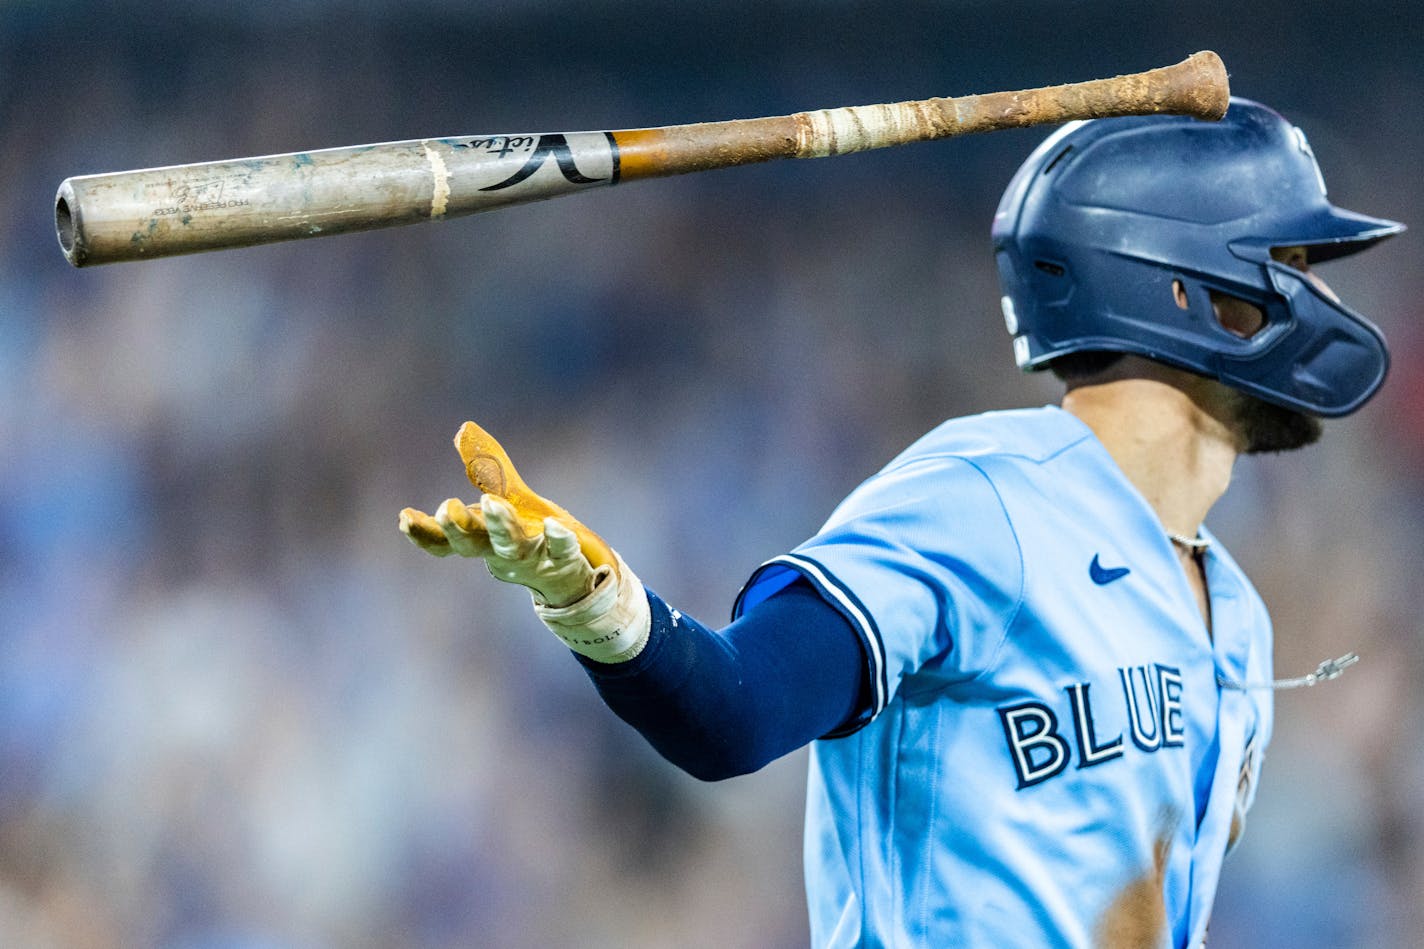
(716, 703)
(723, 703)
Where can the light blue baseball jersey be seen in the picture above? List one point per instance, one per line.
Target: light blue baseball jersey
(1046, 739)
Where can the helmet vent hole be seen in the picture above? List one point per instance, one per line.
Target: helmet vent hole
(1179, 295)
(1056, 159)
(1049, 267)
(1235, 315)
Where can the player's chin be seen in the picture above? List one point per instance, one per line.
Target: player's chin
(1266, 428)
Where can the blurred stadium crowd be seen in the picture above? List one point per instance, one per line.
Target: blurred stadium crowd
(238, 711)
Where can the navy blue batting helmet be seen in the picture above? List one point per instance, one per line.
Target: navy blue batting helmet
(1115, 234)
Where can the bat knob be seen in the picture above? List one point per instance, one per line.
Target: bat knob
(1206, 89)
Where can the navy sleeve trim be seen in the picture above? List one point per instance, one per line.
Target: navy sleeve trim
(839, 596)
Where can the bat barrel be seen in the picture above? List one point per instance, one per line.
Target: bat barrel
(159, 212)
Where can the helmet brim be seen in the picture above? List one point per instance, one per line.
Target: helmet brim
(1334, 232)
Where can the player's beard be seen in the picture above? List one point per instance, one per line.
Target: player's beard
(1264, 427)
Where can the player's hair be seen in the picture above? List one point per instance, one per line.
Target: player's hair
(1072, 368)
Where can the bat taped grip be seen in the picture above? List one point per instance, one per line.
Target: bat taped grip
(828, 132)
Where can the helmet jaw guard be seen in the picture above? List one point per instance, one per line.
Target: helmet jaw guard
(1106, 216)
(1318, 356)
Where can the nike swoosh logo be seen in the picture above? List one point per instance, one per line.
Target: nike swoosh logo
(1104, 575)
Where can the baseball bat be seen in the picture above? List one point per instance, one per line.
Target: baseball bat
(181, 209)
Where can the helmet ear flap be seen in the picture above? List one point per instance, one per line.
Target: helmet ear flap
(1324, 359)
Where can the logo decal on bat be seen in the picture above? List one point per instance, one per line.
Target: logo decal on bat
(554, 145)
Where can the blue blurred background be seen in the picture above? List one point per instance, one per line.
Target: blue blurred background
(238, 710)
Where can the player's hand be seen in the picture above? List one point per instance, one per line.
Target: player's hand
(582, 589)
(547, 559)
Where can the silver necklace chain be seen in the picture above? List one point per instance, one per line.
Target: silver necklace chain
(1327, 670)
(1193, 545)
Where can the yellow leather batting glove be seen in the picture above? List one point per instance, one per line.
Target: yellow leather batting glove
(582, 589)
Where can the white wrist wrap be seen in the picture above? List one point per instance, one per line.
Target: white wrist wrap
(610, 624)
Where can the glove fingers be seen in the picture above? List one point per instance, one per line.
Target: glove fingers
(424, 532)
(506, 533)
(562, 543)
(463, 528)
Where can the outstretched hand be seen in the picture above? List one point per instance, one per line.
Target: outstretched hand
(522, 536)
(547, 559)
(582, 590)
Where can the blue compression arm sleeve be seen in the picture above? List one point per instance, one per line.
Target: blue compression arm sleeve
(719, 704)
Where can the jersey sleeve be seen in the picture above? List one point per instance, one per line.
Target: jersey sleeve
(923, 561)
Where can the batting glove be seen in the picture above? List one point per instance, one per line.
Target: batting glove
(582, 589)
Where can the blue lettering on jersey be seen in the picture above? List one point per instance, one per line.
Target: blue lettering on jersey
(1032, 730)
(1152, 701)
(1089, 751)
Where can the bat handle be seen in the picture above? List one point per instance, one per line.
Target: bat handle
(1197, 86)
